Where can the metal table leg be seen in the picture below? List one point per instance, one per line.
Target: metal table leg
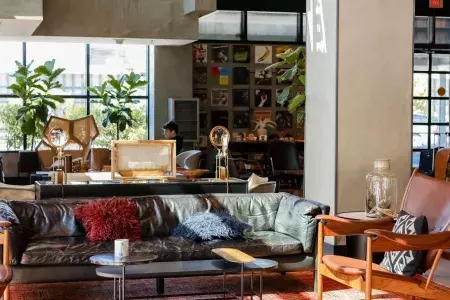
(123, 282)
(223, 285)
(251, 285)
(242, 281)
(115, 286)
(261, 284)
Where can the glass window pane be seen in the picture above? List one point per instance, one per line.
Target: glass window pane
(305, 27)
(442, 30)
(220, 25)
(421, 62)
(415, 159)
(9, 53)
(71, 56)
(137, 132)
(422, 30)
(438, 136)
(420, 111)
(71, 109)
(272, 26)
(441, 62)
(439, 111)
(420, 136)
(420, 85)
(440, 85)
(11, 137)
(116, 60)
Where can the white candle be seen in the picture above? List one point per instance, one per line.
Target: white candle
(121, 248)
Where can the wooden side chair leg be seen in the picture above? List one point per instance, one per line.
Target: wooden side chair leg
(319, 284)
(369, 258)
(6, 294)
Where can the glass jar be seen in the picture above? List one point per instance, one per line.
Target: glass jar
(381, 190)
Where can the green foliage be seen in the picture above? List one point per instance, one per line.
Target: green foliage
(116, 99)
(34, 88)
(296, 60)
(14, 136)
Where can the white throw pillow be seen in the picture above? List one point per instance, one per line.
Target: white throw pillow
(254, 180)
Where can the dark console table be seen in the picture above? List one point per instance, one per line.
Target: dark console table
(111, 188)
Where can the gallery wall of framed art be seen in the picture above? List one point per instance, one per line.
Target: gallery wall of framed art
(234, 89)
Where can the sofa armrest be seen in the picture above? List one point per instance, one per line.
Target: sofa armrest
(17, 240)
(296, 218)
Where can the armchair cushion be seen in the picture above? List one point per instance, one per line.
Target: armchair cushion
(406, 262)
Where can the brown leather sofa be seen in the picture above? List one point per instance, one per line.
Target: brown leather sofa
(48, 244)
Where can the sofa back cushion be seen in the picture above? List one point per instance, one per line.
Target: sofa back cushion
(157, 214)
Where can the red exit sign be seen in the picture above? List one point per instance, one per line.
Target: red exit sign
(436, 3)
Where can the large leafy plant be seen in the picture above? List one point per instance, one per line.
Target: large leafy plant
(34, 88)
(295, 75)
(116, 98)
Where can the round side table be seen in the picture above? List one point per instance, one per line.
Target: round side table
(108, 259)
(356, 244)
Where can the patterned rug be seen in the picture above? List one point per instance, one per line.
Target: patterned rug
(276, 287)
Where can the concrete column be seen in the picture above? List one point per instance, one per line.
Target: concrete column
(172, 76)
(359, 96)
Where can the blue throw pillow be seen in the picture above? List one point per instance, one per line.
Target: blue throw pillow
(211, 226)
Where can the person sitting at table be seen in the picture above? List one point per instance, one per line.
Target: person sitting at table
(171, 133)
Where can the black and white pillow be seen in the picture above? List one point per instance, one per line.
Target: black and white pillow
(406, 262)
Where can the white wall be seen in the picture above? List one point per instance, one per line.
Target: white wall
(374, 93)
(321, 105)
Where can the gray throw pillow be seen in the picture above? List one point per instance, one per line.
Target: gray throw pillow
(211, 226)
(406, 262)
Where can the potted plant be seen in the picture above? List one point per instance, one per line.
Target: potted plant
(295, 75)
(34, 88)
(261, 126)
(116, 98)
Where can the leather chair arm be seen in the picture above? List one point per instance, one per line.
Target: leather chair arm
(335, 226)
(390, 241)
(5, 274)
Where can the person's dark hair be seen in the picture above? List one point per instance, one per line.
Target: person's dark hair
(172, 125)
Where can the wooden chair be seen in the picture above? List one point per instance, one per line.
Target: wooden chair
(5, 269)
(424, 196)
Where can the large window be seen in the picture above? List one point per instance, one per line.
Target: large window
(86, 65)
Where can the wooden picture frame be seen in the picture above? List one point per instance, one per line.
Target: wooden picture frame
(143, 151)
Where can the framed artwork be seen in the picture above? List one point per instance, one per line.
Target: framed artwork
(219, 75)
(263, 77)
(263, 138)
(263, 98)
(278, 104)
(263, 54)
(219, 54)
(241, 98)
(200, 75)
(283, 119)
(219, 118)
(280, 72)
(262, 115)
(241, 53)
(203, 120)
(241, 75)
(300, 118)
(241, 119)
(219, 97)
(281, 49)
(200, 53)
(202, 96)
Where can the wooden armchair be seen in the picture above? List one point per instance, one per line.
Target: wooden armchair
(365, 275)
(5, 270)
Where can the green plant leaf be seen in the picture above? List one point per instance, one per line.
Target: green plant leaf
(302, 79)
(56, 98)
(42, 70)
(284, 96)
(288, 75)
(42, 113)
(28, 127)
(49, 103)
(276, 65)
(296, 103)
(114, 82)
(50, 65)
(122, 126)
(56, 73)
(105, 122)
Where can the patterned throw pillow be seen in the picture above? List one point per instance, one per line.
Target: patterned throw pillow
(406, 262)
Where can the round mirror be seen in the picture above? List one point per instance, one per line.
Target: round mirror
(219, 136)
(58, 137)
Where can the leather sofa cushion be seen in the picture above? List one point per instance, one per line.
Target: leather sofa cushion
(73, 251)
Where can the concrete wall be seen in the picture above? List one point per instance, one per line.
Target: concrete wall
(172, 79)
(321, 105)
(374, 93)
(158, 19)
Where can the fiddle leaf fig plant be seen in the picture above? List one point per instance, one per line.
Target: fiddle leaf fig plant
(115, 95)
(34, 87)
(295, 75)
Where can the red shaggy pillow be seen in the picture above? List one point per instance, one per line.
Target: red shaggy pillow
(109, 219)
